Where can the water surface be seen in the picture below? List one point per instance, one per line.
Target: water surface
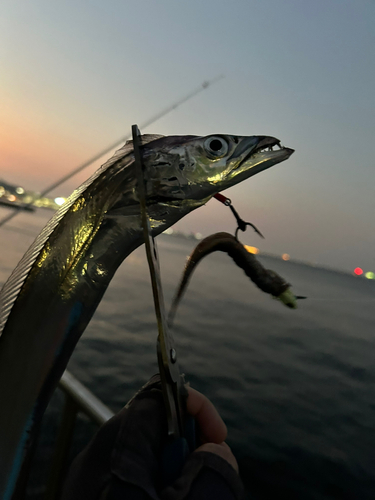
(296, 388)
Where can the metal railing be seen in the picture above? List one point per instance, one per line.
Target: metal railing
(77, 399)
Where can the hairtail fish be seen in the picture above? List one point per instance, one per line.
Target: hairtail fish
(52, 294)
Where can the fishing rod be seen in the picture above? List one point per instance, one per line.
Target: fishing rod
(205, 85)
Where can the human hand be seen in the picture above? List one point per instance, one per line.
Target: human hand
(213, 430)
(125, 454)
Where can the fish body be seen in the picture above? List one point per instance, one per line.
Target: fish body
(52, 294)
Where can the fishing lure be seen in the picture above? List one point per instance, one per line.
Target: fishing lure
(265, 279)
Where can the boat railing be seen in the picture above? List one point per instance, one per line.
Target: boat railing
(77, 399)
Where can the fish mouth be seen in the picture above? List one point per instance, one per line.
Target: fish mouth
(264, 150)
(253, 155)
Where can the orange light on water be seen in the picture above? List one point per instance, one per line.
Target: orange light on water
(358, 271)
(250, 249)
(285, 256)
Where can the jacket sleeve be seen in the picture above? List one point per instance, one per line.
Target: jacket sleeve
(205, 475)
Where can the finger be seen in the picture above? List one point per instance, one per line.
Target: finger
(222, 450)
(211, 425)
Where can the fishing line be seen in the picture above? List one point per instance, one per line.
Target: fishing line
(147, 123)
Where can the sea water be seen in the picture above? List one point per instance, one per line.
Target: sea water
(295, 387)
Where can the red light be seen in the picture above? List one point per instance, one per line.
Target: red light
(358, 271)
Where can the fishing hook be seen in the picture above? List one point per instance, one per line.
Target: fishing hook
(241, 224)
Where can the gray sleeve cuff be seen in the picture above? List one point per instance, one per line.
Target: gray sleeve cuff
(195, 463)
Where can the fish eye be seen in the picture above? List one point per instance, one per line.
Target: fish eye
(216, 146)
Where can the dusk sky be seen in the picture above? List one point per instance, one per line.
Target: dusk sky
(75, 75)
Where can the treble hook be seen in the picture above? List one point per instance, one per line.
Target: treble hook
(241, 224)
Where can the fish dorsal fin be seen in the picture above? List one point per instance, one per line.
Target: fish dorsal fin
(12, 287)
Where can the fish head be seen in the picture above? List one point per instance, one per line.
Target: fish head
(192, 169)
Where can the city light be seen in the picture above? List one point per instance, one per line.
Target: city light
(250, 249)
(60, 201)
(358, 271)
(285, 256)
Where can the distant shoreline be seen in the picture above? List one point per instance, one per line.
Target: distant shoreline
(198, 236)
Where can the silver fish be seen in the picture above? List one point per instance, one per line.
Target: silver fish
(52, 294)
